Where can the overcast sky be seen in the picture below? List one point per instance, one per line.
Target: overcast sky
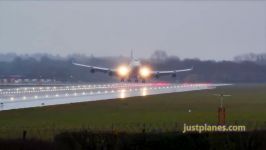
(207, 30)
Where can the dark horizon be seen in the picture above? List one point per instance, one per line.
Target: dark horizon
(241, 57)
(246, 69)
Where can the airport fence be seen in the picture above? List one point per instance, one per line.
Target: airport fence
(88, 140)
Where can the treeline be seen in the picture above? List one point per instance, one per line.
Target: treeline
(256, 58)
(61, 68)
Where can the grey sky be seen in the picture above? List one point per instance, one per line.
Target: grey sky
(207, 30)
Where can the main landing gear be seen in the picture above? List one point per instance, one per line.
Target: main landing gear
(136, 80)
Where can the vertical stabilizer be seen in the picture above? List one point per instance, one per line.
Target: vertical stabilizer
(131, 55)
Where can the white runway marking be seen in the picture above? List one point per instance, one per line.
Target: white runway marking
(26, 97)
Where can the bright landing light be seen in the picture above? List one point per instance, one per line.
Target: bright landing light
(145, 72)
(123, 71)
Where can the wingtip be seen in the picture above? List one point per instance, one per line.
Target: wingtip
(74, 63)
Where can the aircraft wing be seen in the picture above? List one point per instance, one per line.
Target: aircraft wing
(95, 68)
(170, 72)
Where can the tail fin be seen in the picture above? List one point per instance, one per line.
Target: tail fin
(131, 55)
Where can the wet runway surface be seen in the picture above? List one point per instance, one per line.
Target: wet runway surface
(38, 96)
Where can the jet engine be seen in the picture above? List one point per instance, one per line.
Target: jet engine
(157, 76)
(110, 73)
(92, 70)
(174, 75)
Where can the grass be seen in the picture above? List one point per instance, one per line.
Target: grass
(165, 112)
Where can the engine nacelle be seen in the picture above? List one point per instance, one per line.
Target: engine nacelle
(157, 76)
(110, 73)
(92, 70)
(173, 75)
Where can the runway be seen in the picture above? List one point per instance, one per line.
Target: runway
(26, 97)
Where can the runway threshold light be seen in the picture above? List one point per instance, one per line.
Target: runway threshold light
(123, 71)
(145, 72)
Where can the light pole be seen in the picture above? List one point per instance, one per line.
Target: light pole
(221, 109)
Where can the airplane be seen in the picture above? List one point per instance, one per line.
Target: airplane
(133, 71)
